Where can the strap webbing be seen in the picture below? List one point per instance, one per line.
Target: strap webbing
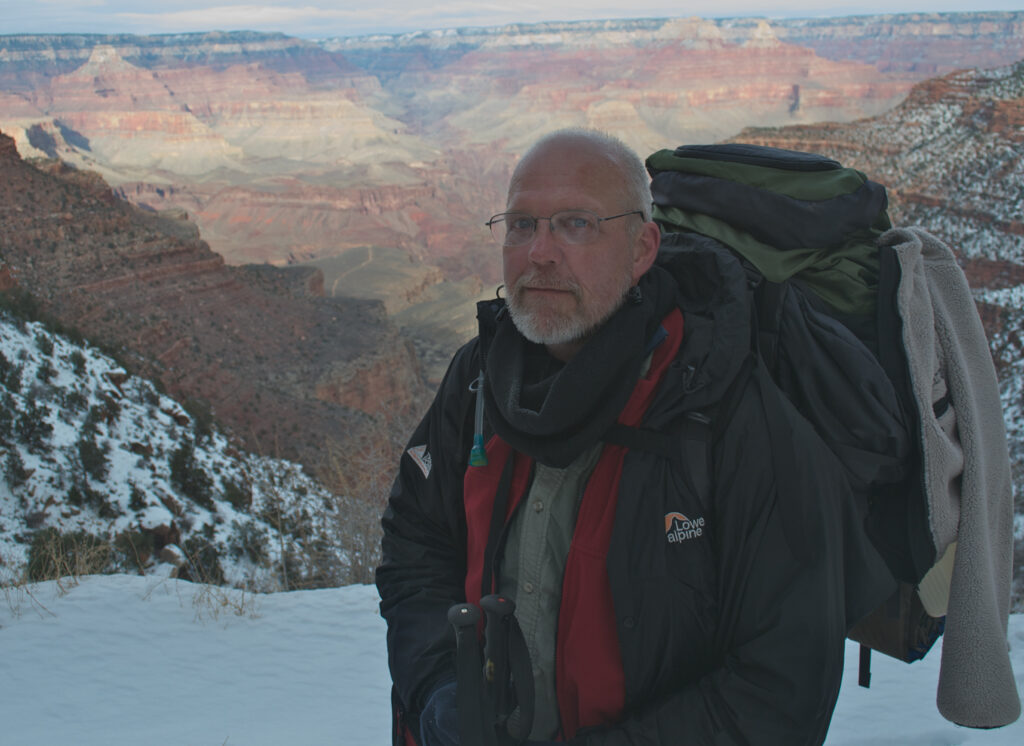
(864, 676)
(488, 579)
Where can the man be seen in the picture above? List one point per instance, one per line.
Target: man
(659, 607)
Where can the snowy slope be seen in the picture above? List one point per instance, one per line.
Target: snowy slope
(84, 447)
(120, 660)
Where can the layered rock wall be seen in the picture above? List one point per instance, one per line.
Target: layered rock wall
(283, 367)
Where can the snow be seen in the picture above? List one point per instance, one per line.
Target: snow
(127, 660)
(119, 659)
(77, 394)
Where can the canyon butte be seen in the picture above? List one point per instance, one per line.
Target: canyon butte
(290, 231)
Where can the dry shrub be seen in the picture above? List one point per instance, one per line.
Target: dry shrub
(17, 591)
(362, 475)
(211, 602)
(66, 557)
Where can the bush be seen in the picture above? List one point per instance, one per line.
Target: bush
(44, 343)
(10, 375)
(46, 372)
(239, 497)
(74, 402)
(150, 394)
(93, 456)
(107, 411)
(202, 565)
(82, 495)
(188, 476)
(137, 500)
(15, 472)
(202, 419)
(250, 541)
(133, 549)
(20, 304)
(360, 534)
(32, 428)
(77, 360)
(53, 555)
(8, 412)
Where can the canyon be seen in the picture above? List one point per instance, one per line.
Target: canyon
(287, 371)
(293, 151)
(291, 231)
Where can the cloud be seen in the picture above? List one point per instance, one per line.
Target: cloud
(274, 17)
(345, 18)
(324, 18)
(388, 15)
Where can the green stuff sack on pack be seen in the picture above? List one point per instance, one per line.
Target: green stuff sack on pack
(792, 215)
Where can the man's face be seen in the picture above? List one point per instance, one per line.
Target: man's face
(559, 293)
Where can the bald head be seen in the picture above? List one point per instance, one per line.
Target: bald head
(601, 154)
(560, 290)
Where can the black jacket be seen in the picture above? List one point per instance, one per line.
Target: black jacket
(734, 638)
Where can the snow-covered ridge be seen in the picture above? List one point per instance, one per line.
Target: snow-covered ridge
(86, 447)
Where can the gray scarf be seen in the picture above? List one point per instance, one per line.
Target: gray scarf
(553, 413)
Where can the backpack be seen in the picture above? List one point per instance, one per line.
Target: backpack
(827, 328)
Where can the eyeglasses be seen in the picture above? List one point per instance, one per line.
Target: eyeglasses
(571, 226)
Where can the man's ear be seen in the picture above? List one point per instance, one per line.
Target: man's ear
(645, 249)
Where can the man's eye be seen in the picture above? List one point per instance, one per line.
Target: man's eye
(520, 223)
(575, 222)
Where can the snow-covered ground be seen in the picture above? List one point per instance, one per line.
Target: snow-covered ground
(86, 447)
(133, 660)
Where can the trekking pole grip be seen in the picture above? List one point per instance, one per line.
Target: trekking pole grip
(462, 617)
(473, 726)
(498, 611)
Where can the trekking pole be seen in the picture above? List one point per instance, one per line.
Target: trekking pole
(498, 611)
(474, 726)
(508, 673)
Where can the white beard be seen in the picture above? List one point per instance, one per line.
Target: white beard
(543, 326)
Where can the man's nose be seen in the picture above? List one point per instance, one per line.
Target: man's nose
(544, 246)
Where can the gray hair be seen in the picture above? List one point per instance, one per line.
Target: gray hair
(636, 180)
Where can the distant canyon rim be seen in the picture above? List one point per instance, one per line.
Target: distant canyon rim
(312, 212)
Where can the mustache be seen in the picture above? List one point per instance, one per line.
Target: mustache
(543, 281)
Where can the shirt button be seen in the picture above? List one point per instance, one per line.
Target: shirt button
(528, 587)
(538, 506)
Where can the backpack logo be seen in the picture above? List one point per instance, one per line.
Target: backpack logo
(679, 528)
(422, 459)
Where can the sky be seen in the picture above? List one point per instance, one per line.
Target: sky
(120, 660)
(331, 18)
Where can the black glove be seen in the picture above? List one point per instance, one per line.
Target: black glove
(439, 721)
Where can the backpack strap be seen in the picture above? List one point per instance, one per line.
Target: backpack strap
(498, 529)
(864, 671)
(769, 300)
(689, 444)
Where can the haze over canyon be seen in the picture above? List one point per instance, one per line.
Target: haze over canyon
(307, 232)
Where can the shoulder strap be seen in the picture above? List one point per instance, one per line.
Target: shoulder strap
(689, 444)
(768, 305)
(496, 532)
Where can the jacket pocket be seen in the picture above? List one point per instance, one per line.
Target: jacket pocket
(662, 570)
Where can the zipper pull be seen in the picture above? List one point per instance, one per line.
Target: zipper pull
(477, 454)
